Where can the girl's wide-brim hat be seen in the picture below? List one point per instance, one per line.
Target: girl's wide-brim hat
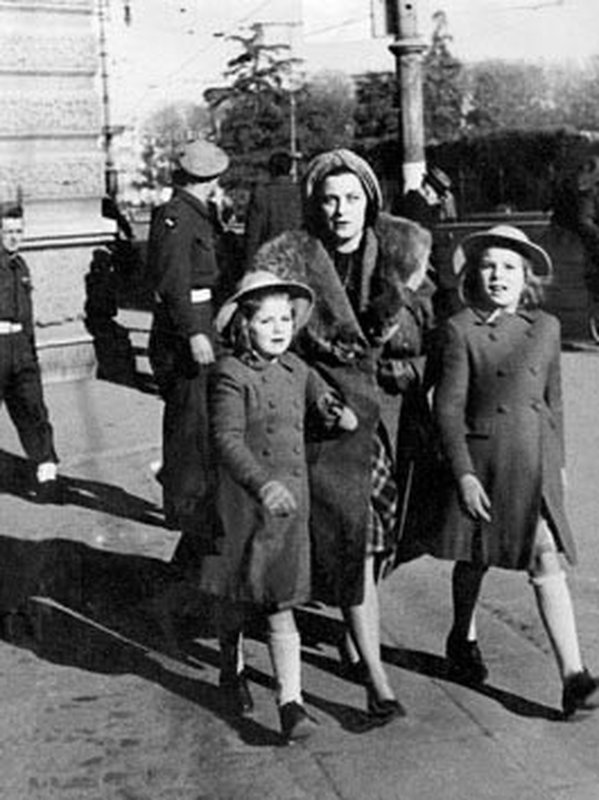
(253, 284)
(505, 236)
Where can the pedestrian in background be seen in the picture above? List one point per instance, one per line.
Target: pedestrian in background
(20, 376)
(357, 261)
(274, 206)
(498, 407)
(260, 398)
(184, 272)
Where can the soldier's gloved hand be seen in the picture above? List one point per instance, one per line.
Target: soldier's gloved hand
(277, 499)
(201, 349)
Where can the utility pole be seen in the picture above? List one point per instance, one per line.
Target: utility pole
(110, 173)
(408, 49)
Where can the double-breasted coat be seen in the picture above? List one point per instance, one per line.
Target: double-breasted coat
(258, 412)
(498, 407)
(337, 342)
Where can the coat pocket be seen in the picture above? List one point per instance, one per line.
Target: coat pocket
(481, 428)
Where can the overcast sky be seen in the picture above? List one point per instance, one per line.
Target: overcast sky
(170, 50)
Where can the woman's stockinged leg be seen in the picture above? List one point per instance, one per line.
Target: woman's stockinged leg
(555, 603)
(364, 625)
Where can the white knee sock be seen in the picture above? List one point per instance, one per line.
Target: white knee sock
(557, 613)
(284, 649)
(46, 472)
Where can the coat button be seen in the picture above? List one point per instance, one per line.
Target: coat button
(534, 370)
(297, 449)
(266, 452)
(501, 409)
(536, 405)
(272, 404)
(501, 373)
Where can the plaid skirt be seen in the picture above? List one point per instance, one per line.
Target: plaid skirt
(384, 501)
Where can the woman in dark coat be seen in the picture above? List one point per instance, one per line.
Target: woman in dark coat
(498, 408)
(361, 265)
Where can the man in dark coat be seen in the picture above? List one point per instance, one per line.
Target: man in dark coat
(274, 206)
(20, 378)
(184, 271)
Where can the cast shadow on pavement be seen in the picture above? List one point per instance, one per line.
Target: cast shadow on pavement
(16, 478)
(434, 666)
(76, 606)
(317, 628)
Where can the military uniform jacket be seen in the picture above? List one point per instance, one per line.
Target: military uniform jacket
(258, 410)
(498, 406)
(15, 291)
(182, 258)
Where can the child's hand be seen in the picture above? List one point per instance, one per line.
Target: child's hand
(277, 499)
(474, 498)
(346, 418)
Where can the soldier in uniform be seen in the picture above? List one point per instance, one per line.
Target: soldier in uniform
(20, 378)
(184, 271)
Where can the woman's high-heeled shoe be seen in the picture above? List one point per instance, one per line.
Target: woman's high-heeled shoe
(382, 710)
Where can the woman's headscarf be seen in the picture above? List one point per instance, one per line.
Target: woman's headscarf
(334, 161)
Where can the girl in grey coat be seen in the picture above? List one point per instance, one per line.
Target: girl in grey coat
(498, 407)
(259, 400)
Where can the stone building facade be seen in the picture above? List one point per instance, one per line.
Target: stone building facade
(50, 152)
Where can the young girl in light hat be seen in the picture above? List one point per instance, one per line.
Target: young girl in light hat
(498, 407)
(261, 395)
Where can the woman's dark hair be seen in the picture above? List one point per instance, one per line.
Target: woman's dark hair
(469, 287)
(237, 332)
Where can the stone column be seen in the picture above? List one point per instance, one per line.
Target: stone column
(50, 151)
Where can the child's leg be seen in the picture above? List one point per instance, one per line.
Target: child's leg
(554, 602)
(285, 655)
(462, 651)
(465, 586)
(229, 624)
(233, 681)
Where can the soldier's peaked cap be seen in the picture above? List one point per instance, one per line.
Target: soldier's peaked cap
(203, 160)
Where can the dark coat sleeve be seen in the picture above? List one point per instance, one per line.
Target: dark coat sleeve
(450, 400)
(229, 427)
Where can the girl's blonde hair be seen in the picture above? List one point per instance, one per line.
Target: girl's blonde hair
(469, 286)
(237, 333)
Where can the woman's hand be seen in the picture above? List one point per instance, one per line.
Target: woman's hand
(474, 498)
(277, 499)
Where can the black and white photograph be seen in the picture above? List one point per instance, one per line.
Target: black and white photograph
(299, 433)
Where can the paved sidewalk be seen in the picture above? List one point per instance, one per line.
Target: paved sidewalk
(94, 706)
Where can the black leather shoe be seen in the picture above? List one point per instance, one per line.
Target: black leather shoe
(295, 722)
(465, 660)
(383, 710)
(236, 691)
(49, 493)
(581, 693)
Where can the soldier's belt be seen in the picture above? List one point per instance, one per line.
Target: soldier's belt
(196, 296)
(201, 295)
(9, 327)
